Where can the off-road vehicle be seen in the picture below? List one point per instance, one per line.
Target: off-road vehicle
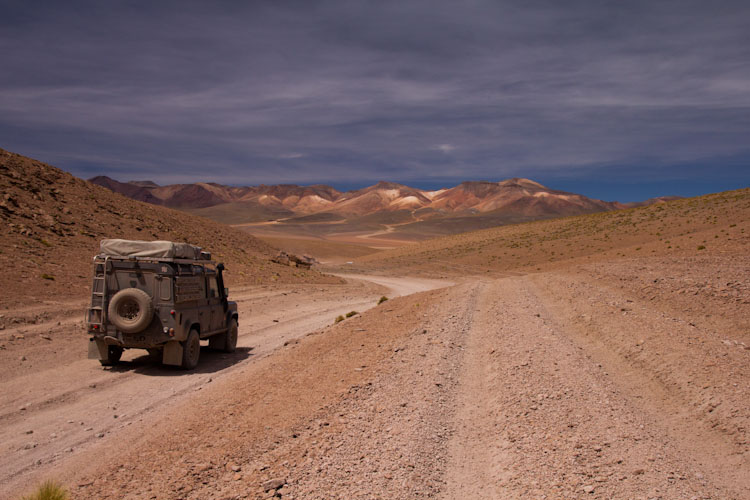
(160, 296)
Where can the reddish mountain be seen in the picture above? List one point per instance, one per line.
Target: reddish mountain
(520, 196)
(382, 197)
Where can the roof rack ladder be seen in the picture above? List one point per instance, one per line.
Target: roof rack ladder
(98, 307)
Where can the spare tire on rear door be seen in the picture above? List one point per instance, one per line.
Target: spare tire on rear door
(131, 310)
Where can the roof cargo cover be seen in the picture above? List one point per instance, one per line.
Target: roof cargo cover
(155, 249)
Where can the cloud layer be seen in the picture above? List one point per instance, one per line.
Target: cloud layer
(354, 91)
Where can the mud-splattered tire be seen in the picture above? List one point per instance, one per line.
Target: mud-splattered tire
(114, 353)
(131, 310)
(191, 351)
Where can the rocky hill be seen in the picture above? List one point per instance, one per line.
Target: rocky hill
(53, 223)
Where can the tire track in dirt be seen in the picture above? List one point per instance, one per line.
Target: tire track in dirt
(688, 379)
(538, 418)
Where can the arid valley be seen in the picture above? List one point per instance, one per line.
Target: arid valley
(602, 355)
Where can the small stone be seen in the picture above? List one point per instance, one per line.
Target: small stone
(236, 468)
(273, 484)
(29, 446)
(100, 435)
(589, 488)
(29, 432)
(237, 477)
(638, 472)
(22, 358)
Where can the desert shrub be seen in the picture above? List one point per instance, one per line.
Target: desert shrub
(351, 313)
(48, 490)
(701, 247)
(48, 277)
(382, 299)
(339, 319)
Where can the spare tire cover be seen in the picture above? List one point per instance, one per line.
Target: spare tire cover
(131, 310)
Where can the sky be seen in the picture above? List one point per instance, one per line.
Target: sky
(619, 100)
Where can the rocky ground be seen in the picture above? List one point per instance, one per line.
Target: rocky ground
(603, 356)
(582, 382)
(57, 405)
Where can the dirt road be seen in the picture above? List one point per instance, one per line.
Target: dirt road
(579, 383)
(57, 404)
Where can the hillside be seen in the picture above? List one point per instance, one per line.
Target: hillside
(717, 224)
(54, 222)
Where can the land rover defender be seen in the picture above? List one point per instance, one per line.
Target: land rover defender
(161, 296)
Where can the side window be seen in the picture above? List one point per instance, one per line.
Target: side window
(165, 287)
(213, 288)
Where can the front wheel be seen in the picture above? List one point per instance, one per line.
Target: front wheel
(191, 351)
(114, 353)
(232, 334)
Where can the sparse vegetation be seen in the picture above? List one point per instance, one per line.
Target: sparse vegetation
(339, 319)
(48, 490)
(701, 247)
(48, 277)
(351, 313)
(382, 299)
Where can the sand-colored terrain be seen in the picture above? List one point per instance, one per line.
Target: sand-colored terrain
(599, 356)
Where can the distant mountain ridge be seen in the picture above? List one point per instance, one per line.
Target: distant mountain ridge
(515, 196)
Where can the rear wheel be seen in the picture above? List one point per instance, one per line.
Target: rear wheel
(191, 350)
(114, 353)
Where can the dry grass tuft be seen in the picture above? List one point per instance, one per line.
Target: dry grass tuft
(49, 490)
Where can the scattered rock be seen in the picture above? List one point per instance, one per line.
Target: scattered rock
(273, 484)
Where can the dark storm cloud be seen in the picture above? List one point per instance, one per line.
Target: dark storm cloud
(355, 91)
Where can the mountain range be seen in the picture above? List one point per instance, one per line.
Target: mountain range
(319, 203)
